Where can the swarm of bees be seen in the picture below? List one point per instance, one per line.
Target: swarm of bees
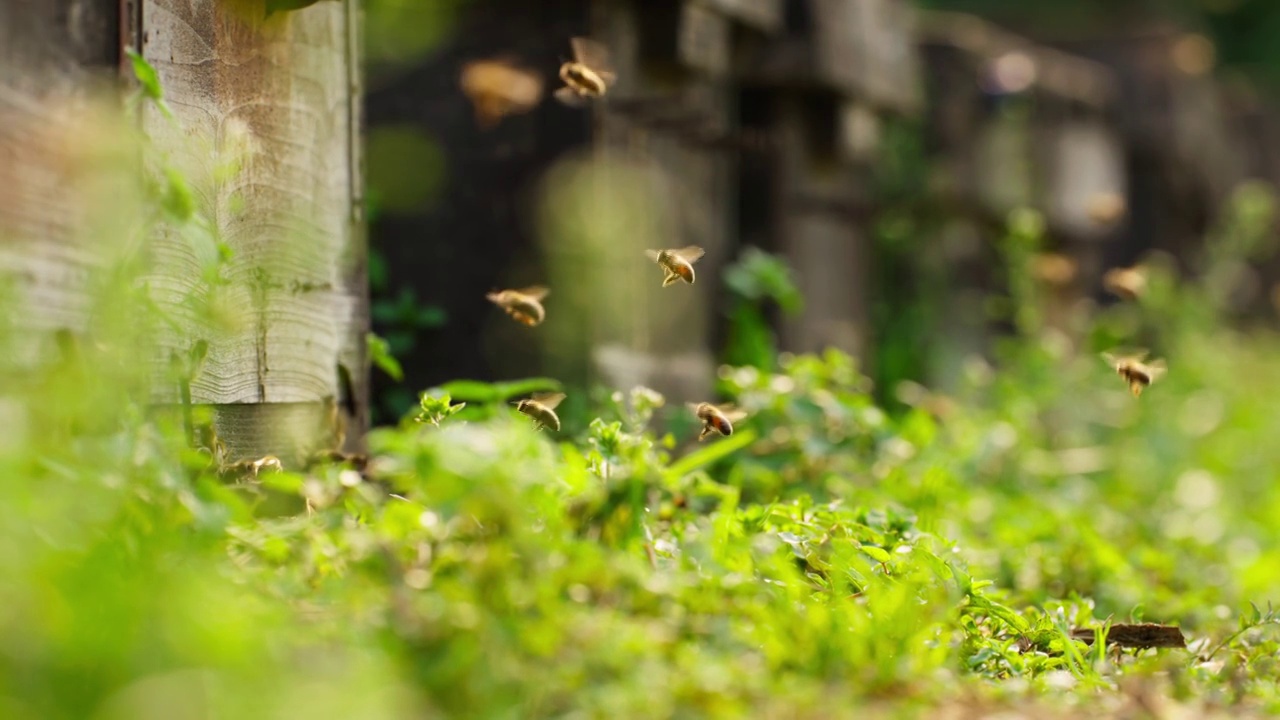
(499, 87)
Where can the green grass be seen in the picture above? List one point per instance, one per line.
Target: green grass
(825, 558)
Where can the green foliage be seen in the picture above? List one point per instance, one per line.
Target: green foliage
(275, 6)
(824, 556)
(757, 282)
(148, 80)
(827, 557)
(381, 357)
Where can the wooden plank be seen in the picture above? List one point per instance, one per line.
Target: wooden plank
(283, 87)
(820, 231)
(838, 45)
(890, 66)
(765, 15)
(353, 352)
(704, 38)
(53, 54)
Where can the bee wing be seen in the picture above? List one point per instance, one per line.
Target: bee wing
(732, 412)
(691, 253)
(652, 254)
(693, 407)
(1156, 368)
(548, 400)
(475, 77)
(592, 54)
(534, 292)
(497, 297)
(1118, 355)
(567, 96)
(608, 77)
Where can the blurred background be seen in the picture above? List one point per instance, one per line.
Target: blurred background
(965, 201)
(850, 167)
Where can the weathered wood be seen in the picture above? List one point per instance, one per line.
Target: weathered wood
(889, 66)
(353, 352)
(289, 311)
(1024, 125)
(53, 54)
(821, 231)
(765, 15)
(704, 38)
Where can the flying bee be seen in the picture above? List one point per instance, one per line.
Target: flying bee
(718, 419)
(499, 87)
(541, 407)
(1106, 208)
(589, 75)
(1054, 269)
(1126, 283)
(676, 264)
(1137, 373)
(524, 305)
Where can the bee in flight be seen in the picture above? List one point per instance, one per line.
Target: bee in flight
(542, 408)
(1137, 373)
(524, 305)
(1126, 283)
(589, 75)
(676, 264)
(499, 87)
(716, 418)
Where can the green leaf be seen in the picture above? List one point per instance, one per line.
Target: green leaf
(711, 453)
(380, 355)
(178, 201)
(482, 392)
(275, 6)
(878, 554)
(146, 74)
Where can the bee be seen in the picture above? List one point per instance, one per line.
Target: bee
(1137, 373)
(676, 264)
(719, 419)
(1126, 283)
(1106, 208)
(499, 87)
(541, 407)
(524, 305)
(589, 75)
(1054, 269)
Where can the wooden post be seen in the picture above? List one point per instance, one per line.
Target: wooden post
(53, 53)
(285, 325)
(834, 71)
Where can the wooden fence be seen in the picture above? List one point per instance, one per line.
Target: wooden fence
(1103, 140)
(292, 374)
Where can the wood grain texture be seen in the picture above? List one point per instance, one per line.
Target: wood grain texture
(292, 297)
(353, 352)
(52, 53)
